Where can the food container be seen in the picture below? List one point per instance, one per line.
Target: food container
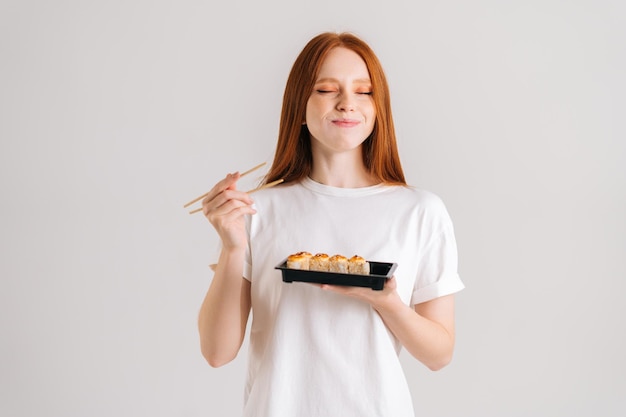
(379, 273)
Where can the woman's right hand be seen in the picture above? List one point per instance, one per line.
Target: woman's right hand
(225, 207)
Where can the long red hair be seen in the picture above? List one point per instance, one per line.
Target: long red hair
(293, 159)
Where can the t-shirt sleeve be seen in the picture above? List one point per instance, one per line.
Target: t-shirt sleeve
(437, 272)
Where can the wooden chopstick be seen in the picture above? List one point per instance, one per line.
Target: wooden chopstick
(252, 169)
(268, 185)
(254, 190)
(207, 193)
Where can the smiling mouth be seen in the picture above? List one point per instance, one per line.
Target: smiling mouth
(345, 122)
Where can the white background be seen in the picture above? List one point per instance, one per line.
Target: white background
(113, 114)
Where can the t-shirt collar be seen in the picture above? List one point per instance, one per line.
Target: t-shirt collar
(342, 192)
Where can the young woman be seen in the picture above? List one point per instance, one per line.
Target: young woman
(323, 350)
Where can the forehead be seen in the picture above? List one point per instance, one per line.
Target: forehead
(342, 63)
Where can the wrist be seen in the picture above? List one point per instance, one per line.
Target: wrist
(234, 248)
(389, 304)
(232, 255)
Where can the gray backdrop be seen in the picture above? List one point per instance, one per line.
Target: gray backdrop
(113, 114)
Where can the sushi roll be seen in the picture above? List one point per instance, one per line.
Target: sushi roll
(338, 263)
(358, 265)
(300, 260)
(319, 262)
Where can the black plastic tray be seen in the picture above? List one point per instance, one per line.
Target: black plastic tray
(379, 273)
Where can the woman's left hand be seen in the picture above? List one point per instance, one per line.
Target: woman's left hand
(377, 298)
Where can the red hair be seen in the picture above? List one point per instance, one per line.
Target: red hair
(293, 159)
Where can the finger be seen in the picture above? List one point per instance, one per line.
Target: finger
(226, 207)
(391, 283)
(345, 290)
(221, 221)
(225, 197)
(228, 182)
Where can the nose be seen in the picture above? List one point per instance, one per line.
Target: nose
(345, 103)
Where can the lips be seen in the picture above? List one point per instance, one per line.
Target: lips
(345, 122)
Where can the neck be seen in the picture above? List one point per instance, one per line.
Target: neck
(343, 170)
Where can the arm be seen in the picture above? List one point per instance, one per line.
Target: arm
(426, 332)
(224, 312)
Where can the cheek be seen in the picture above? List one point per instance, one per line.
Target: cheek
(368, 108)
(371, 115)
(372, 109)
(310, 110)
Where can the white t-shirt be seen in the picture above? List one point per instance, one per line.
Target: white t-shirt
(314, 353)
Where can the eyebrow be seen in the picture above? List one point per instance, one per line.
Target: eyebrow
(358, 81)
